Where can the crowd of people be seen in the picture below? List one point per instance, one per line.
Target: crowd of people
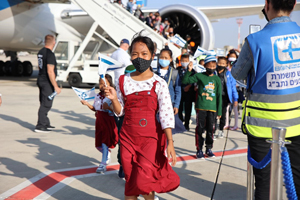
(153, 20)
(214, 92)
(126, 112)
(143, 108)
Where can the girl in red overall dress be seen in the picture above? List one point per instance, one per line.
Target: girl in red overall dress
(140, 95)
(106, 133)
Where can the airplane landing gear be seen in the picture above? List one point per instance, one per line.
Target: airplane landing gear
(27, 68)
(14, 67)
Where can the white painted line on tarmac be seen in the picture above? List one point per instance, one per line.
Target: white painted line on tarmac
(48, 193)
(25, 184)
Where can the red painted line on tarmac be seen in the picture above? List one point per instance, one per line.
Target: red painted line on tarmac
(40, 186)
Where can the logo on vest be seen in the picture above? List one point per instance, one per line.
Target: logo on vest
(286, 52)
(286, 62)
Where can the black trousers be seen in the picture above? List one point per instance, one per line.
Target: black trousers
(46, 89)
(225, 102)
(205, 120)
(259, 149)
(187, 98)
(119, 122)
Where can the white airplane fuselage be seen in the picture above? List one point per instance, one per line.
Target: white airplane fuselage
(25, 25)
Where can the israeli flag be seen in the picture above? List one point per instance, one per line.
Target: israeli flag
(200, 51)
(87, 95)
(107, 63)
(178, 40)
(199, 68)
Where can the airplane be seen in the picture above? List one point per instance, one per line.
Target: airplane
(25, 23)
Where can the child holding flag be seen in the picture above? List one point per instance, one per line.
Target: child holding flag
(140, 95)
(209, 102)
(106, 133)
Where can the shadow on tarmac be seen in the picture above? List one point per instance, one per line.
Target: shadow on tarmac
(87, 130)
(17, 121)
(22, 170)
(73, 116)
(57, 158)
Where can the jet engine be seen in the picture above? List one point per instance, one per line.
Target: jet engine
(187, 20)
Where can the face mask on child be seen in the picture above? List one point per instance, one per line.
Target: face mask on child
(221, 67)
(184, 64)
(141, 65)
(210, 71)
(164, 63)
(231, 59)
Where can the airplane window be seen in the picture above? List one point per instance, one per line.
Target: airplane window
(61, 51)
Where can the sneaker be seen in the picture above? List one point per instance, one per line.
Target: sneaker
(101, 169)
(215, 137)
(209, 153)
(221, 134)
(200, 154)
(108, 158)
(42, 130)
(50, 127)
(121, 172)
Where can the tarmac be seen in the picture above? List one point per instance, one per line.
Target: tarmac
(62, 164)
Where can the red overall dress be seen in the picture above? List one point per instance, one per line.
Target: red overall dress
(106, 130)
(143, 143)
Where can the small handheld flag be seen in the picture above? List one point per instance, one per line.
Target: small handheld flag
(178, 40)
(87, 95)
(107, 64)
(200, 51)
(102, 69)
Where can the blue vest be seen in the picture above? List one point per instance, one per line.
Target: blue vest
(276, 59)
(274, 93)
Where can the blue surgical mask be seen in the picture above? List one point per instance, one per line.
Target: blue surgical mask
(164, 63)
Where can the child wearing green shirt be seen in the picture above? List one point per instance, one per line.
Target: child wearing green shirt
(209, 103)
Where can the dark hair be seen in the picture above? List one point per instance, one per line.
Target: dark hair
(170, 54)
(155, 47)
(185, 56)
(284, 5)
(144, 39)
(222, 58)
(232, 51)
(109, 79)
(201, 60)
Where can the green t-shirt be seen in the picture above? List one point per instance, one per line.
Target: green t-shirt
(209, 91)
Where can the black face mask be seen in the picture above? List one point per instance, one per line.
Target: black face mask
(221, 67)
(210, 71)
(141, 65)
(265, 14)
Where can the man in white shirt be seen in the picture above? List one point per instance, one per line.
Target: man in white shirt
(121, 54)
(123, 57)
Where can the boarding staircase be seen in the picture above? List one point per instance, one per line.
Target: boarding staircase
(118, 23)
